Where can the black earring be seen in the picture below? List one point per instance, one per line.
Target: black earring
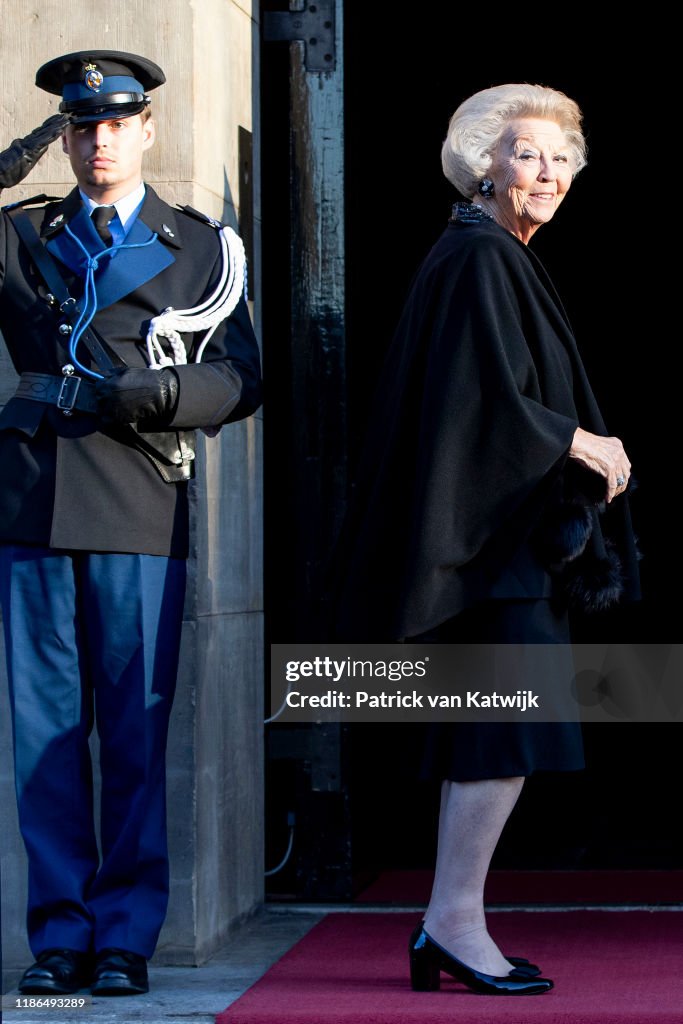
(486, 188)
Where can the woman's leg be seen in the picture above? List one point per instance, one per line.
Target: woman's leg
(471, 820)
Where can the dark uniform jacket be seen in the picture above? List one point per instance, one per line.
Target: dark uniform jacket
(74, 482)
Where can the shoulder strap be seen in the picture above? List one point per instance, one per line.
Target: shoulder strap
(40, 256)
(103, 354)
(42, 198)
(197, 215)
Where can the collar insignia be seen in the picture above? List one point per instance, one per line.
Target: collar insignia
(56, 221)
(168, 231)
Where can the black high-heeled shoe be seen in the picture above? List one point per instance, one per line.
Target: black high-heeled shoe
(520, 962)
(428, 958)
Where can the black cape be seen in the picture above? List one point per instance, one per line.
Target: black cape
(466, 452)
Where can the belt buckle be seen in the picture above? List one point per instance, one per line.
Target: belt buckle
(68, 392)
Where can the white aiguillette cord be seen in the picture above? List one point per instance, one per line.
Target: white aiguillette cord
(206, 317)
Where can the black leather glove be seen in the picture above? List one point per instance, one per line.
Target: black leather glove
(132, 395)
(18, 159)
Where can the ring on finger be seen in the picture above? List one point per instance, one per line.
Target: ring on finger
(621, 480)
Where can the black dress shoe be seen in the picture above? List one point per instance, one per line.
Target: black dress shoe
(428, 958)
(520, 962)
(119, 973)
(524, 965)
(57, 972)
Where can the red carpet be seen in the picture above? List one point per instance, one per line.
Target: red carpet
(547, 887)
(608, 968)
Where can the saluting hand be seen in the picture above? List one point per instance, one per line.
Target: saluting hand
(604, 455)
(22, 154)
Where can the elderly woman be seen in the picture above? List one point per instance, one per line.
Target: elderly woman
(489, 496)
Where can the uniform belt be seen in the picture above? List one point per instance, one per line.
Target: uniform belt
(67, 393)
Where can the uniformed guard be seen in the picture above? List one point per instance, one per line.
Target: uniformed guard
(127, 323)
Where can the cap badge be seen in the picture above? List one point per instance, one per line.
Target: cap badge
(94, 79)
(168, 230)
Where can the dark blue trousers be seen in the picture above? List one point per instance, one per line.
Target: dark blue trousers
(92, 637)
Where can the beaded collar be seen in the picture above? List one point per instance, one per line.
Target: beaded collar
(469, 213)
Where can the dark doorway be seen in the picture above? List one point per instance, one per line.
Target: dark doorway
(403, 81)
(605, 253)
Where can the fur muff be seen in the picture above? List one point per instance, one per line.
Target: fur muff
(563, 535)
(570, 543)
(593, 584)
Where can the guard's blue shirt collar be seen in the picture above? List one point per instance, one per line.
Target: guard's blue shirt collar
(127, 208)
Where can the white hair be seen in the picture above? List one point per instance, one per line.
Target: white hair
(479, 122)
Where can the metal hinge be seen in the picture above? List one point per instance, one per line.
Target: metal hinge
(313, 24)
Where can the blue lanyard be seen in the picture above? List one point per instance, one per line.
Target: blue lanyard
(90, 295)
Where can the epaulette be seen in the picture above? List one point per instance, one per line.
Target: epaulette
(33, 201)
(204, 217)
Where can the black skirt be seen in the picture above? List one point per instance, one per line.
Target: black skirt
(463, 752)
